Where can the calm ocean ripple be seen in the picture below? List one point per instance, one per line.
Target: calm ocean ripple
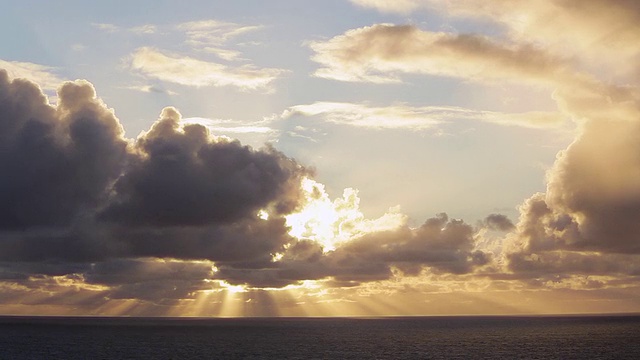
(597, 337)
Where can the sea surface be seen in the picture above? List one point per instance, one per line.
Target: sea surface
(544, 337)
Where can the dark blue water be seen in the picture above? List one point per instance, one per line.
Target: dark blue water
(599, 337)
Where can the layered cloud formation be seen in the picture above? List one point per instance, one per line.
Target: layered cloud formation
(125, 216)
(177, 212)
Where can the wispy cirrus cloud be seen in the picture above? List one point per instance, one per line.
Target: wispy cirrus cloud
(418, 118)
(146, 29)
(188, 71)
(150, 89)
(214, 31)
(230, 126)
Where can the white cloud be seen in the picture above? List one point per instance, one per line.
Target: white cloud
(418, 118)
(150, 89)
(397, 6)
(110, 28)
(144, 29)
(188, 71)
(42, 75)
(229, 126)
(211, 36)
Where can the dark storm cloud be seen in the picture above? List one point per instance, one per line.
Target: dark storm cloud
(241, 241)
(182, 176)
(73, 190)
(54, 162)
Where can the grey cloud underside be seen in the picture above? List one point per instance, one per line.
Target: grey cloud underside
(181, 177)
(80, 202)
(74, 190)
(440, 244)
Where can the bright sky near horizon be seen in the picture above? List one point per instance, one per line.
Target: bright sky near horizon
(404, 158)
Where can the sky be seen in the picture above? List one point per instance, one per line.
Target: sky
(319, 158)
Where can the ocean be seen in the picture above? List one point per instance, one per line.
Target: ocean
(483, 337)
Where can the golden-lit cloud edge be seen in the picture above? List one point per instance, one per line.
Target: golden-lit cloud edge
(574, 249)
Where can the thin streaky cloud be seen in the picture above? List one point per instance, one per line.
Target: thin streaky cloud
(188, 71)
(419, 118)
(213, 32)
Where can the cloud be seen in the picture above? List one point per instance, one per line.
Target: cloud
(110, 28)
(43, 75)
(164, 216)
(400, 6)
(380, 53)
(183, 176)
(149, 279)
(78, 191)
(55, 162)
(211, 36)
(144, 29)
(440, 245)
(418, 118)
(498, 222)
(586, 223)
(230, 126)
(150, 89)
(587, 28)
(212, 32)
(188, 71)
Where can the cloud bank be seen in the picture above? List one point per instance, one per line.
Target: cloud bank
(93, 220)
(177, 210)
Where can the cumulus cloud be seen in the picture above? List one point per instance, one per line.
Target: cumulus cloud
(586, 223)
(183, 176)
(56, 162)
(417, 118)
(167, 215)
(593, 198)
(188, 71)
(74, 190)
(381, 52)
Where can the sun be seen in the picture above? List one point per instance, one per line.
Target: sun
(331, 223)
